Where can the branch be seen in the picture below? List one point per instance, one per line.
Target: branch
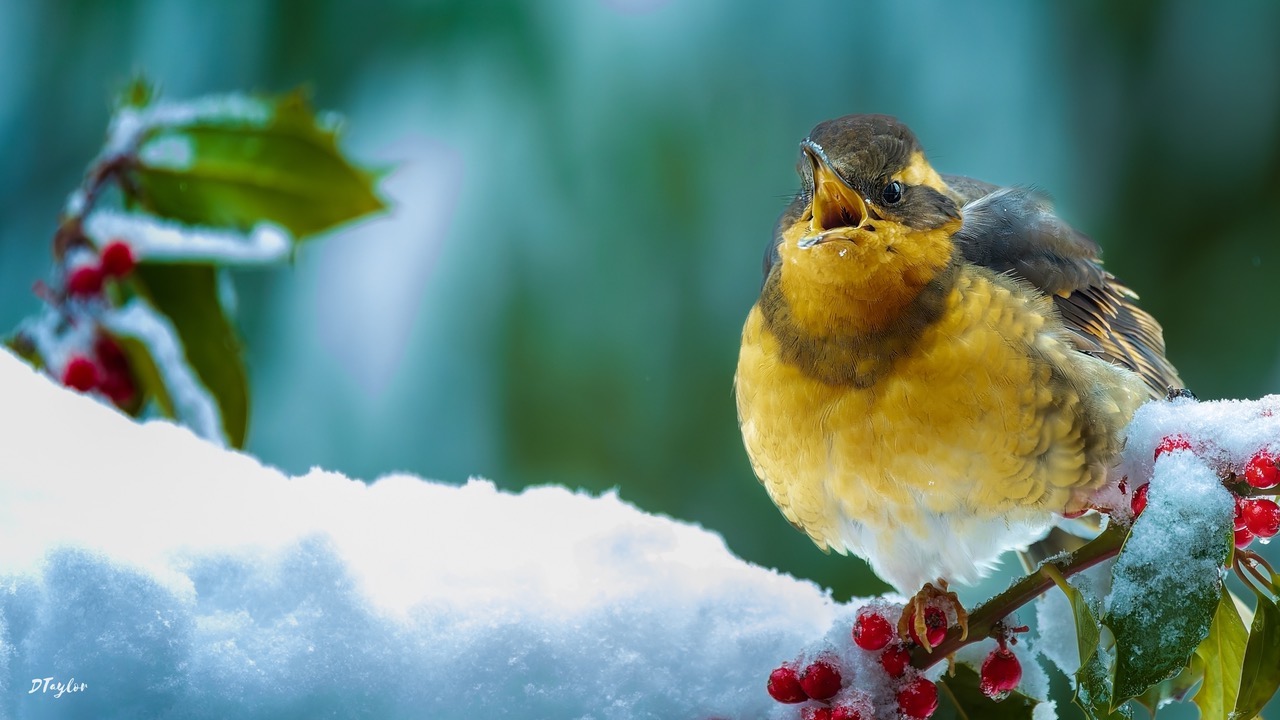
(984, 618)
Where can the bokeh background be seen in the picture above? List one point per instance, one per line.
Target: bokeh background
(583, 190)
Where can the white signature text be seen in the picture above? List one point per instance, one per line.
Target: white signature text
(51, 685)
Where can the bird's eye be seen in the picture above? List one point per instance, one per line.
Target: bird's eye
(892, 193)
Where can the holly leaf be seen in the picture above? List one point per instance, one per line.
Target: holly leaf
(1219, 658)
(1166, 587)
(1174, 689)
(236, 161)
(963, 692)
(1093, 690)
(146, 374)
(1260, 671)
(160, 367)
(188, 296)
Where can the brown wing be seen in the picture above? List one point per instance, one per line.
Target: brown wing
(1013, 230)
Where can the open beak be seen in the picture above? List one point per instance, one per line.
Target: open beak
(837, 208)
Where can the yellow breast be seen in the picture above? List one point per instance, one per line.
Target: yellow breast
(971, 441)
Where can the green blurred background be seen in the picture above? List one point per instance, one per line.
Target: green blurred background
(583, 191)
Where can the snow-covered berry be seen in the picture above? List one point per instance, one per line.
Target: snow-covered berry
(1138, 502)
(1001, 673)
(1262, 517)
(919, 699)
(871, 631)
(784, 685)
(1239, 517)
(895, 660)
(117, 259)
(84, 281)
(935, 626)
(1170, 443)
(1263, 470)
(1243, 538)
(81, 374)
(821, 680)
(815, 712)
(845, 711)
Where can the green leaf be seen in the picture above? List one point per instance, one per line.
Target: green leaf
(250, 161)
(1087, 630)
(150, 382)
(22, 346)
(1174, 689)
(1093, 678)
(1166, 587)
(1093, 690)
(1260, 675)
(188, 295)
(1220, 657)
(962, 690)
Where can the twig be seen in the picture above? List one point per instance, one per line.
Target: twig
(984, 618)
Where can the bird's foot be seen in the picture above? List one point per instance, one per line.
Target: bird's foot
(929, 628)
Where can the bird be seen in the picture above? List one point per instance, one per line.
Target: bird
(938, 369)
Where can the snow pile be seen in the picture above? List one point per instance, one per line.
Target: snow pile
(147, 573)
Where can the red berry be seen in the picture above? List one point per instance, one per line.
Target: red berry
(1001, 673)
(1138, 502)
(815, 712)
(918, 699)
(784, 685)
(846, 712)
(895, 660)
(935, 625)
(80, 373)
(1263, 470)
(118, 385)
(1262, 517)
(117, 381)
(109, 352)
(1172, 442)
(1243, 538)
(117, 259)
(84, 281)
(821, 680)
(1239, 518)
(871, 631)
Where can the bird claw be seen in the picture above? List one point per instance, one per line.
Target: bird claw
(913, 616)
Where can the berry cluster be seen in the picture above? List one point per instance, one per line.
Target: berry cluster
(1254, 517)
(1258, 517)
(103, 367)
(827, 692)
(106, 371)
(114, 262)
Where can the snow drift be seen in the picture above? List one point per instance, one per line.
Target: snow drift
(147, 573)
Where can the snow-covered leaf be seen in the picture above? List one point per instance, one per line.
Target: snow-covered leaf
(962, 692)
(1220, 657)
(188, 295)
(236, 161)
(158, 363)
(155, 240)
(1093, 691)
(1260, 677)
(1167, 581)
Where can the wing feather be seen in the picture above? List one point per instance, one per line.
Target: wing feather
(1013, 230)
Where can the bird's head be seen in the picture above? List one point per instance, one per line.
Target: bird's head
(869, 229)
